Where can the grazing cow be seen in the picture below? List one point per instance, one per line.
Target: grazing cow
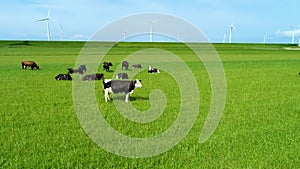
(137, 66)
(120, 86)
(32, 64)
(82, 69)
(97, 76)
(63, 77)
(153, 70)
(122, 76)
(125, 65)
(106, 66)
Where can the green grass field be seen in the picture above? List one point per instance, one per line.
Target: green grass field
(260, 126)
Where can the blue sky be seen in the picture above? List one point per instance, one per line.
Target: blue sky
(82, 18)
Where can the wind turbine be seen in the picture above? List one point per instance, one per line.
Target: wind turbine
(178, 36)
(151, 29)
(125, 36)
(293, 36)
(230, 32)
(265, 37)
(224, 38)
(61, 32)
(47, 20)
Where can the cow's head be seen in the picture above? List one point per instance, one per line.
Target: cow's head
(138, 83)
(83, 68)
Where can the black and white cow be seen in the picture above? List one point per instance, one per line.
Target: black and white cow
(122, 76)
(125, 65)
(137, 66)
(97, 76)
(82, 69)
(153, 70)
(63, 77)
(120, 86)
(106, 66)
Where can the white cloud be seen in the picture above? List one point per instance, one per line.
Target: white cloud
(80, 37)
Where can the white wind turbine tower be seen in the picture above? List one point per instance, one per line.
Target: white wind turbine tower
(151, 29)
(178, 36)
(224, 38)
(125, 36)
(293, 35)
(230, 32)
(47, 20)
(265, 37)
(61, 32)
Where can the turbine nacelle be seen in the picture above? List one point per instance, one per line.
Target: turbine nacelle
(230, 32)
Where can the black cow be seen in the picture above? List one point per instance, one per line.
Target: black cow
(122, 76)
(97, 76)
(153, 70)
(125, 65)
(137, 66)
(63, 77)
(120, 86)
(32, 64)
(82, 69)
(106, 66)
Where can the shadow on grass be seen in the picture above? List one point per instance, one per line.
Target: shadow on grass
(20, 44)
(136, 98)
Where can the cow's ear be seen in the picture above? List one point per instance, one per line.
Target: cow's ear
(140, 80)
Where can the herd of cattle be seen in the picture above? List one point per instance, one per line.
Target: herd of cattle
(109, 85)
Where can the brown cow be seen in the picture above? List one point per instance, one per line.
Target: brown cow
(32, 64)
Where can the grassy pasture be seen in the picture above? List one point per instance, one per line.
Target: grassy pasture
(260, 127)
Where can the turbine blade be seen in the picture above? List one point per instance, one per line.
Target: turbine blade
(44, 19)
(49, 13)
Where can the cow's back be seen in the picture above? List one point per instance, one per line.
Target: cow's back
(121, 86)
(30, 63)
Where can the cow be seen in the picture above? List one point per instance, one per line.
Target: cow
(97, 76)
(32, 64)
(82, 69)
(106, 66)
(153, 70)
(125, 65)
(122, 76)
(120, 86)
(137, 66)
(63, 77)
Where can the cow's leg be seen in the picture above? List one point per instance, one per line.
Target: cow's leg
(106, 95)
(127, 97)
